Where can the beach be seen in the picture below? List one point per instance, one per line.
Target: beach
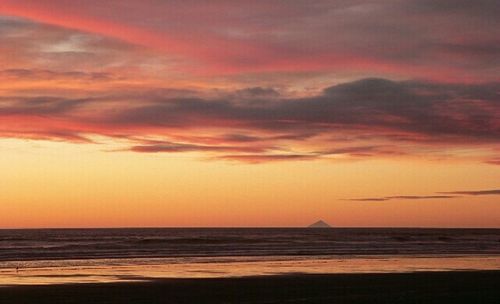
(419, 287)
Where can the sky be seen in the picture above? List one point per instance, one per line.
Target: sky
(152, 113)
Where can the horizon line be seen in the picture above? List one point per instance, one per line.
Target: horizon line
(247, 227)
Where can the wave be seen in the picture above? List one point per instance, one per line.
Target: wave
(118, 243)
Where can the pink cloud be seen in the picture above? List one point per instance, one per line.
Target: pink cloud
(376, 116)
(240, 37)
(171, 77)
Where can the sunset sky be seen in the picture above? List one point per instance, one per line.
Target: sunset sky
(249, 113)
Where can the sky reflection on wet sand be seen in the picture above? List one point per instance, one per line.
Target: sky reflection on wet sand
(121, 270)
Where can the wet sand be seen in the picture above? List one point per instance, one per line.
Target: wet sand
(422, 287)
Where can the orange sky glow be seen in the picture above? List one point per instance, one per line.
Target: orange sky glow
(248, 113)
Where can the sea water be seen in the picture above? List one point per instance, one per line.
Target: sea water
(48, 256)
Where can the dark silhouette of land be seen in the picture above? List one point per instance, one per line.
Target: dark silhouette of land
(320, 224)
(429, 288)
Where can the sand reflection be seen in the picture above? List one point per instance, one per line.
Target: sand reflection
(116, 270)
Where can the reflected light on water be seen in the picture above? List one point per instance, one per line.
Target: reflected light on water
(120, 270)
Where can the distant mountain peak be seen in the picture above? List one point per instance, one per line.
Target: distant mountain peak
(320, 224)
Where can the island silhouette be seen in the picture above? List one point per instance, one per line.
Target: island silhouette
(320, 224)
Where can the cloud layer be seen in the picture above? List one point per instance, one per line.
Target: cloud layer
(444, 41)
(256, 82)
(369, 117)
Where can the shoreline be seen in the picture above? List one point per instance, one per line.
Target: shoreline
(417, 287)
(110, 271)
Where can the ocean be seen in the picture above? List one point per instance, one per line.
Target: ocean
(46, 256)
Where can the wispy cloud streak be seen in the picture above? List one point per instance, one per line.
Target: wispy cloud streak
(443, 195)
(400, 197)
(476, 193)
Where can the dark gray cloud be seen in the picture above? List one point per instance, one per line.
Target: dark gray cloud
(44, 105)
(442, 195)
(53, 135)
(171, 147)
(263, 158)
(40, 74)
(374, 116)
(400, 197)
(257, 92)
(475, 193)
(363, 151)
(479, 9)
(461, 112)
